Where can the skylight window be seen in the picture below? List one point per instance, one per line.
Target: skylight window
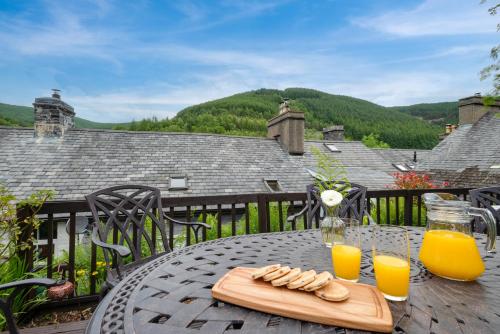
(178, 183)
(332, 148)
(495, 166)
(273, 185)
(401, 167)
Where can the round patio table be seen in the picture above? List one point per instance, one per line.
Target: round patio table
(172, 294)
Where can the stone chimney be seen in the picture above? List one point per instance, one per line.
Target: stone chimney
(472, 108)
(334, 132)
(53, 117)
(288, 129)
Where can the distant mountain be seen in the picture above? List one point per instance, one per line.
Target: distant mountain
(247, 114)
(416, 126)
(23, 116)
(440, 113)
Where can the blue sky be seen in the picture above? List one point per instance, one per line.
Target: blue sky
(123, 60)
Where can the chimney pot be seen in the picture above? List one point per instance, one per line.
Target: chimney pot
(56, 93)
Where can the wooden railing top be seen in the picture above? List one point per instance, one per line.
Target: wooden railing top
(65, 206)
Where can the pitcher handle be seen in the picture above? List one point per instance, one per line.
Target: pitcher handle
(491, 225)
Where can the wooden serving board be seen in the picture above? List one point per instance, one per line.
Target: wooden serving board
(365, 309)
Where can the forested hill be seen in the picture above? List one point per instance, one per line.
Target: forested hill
(247, 114)
(12, 115)
(437, 113)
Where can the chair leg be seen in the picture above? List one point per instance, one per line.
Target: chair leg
(9, 317)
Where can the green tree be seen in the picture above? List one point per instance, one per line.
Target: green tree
(373, 141)
(493, 70)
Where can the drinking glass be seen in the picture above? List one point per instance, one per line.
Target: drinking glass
(346, 250)
(326, 229)
(391, 261)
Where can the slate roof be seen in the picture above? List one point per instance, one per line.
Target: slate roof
(401, 156)
(363, 165)
(466, 155)
(86, 160)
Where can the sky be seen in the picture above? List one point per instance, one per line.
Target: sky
(121, 60)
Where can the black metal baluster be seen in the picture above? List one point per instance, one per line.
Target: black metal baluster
(247, 218)
(188, 229)
(397, 210)
(50, 244)
(280, 213)
(204, 229)
(219, 220)
(171, 229)
(378, 210)
(387, 210)
(233, 219)
(71, 251)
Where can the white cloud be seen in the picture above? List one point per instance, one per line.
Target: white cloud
(193, 11)
(336, 76)
(433, 17)
(396, 88)
(64, 33)
(156, 100)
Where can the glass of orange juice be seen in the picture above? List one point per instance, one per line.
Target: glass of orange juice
(346, 249)
(391, 261)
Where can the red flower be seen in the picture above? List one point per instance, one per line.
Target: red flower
(412, 180)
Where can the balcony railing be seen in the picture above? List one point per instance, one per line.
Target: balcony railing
(228, 215)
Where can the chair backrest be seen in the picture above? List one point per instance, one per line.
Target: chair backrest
(131, 216)
(488, 198)
(353, 205)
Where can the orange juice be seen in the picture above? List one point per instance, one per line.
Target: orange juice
(451, 254)
(346, 262)
(392, 275)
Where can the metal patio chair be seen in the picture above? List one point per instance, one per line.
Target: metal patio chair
(352, 206)
(488, 198)
(128, 220)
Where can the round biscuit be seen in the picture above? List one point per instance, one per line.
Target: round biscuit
(259, 272)
(277, 274)
(305, 278)
(292, 275)
(333, 291)
(319, 281)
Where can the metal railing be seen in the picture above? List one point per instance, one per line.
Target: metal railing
(244, 213)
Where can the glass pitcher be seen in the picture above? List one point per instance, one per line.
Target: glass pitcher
(448, 248)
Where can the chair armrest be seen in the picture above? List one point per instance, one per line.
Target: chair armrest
(175, 221)
(48, 282)
(297, 215)
(121, 250)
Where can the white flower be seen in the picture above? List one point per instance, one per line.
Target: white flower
(331, 197)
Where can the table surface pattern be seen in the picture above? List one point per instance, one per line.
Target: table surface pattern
(172, 294)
